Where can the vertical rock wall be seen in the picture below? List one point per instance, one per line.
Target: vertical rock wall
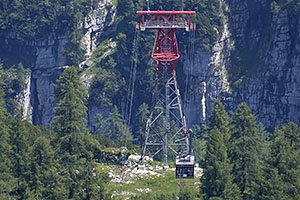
(207, 78)
(267, 75)
(49, 65)
(271, 86)
(268, 80)
(51, 61)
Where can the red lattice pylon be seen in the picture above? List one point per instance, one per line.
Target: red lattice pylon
(165, 51)
(166, 121)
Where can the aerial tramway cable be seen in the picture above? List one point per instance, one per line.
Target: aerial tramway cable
(132, 79)
(190, 62)
(148, 6)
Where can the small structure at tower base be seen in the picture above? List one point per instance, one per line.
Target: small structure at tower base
(185, 166)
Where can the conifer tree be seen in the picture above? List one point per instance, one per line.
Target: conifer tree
(98, 124)
(7, 181)
(217, 179)
(116, 128)
(87, 182)
(142, 117)
(20, 157)
(71, 111)
(244, 152)
(75, 145)
(283, 169)
(45, 183)
(219, 119)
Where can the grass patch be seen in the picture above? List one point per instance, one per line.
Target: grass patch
(165, 183)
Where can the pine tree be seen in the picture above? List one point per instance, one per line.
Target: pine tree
(244, 152)
(116, 128)
(45, 183)
(98, 124)
(200, 135)
(71, 111)
(86, 182)
(7, 181)
(283, 169)
(20, 157)
(219, 119)
(217, 179)
(75, 145)
(142, 117)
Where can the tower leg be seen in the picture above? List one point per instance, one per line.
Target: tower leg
(166, 127)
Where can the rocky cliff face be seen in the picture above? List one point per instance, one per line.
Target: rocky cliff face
(262, 48)
(271, 84)
(207, 77)
(255, 60)
(51, 61)
(273, 93)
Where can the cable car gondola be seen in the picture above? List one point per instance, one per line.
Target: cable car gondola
(185, 166)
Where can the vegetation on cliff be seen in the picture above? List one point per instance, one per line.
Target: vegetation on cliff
(239, 159)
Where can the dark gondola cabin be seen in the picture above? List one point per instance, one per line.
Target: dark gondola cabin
(185, 166)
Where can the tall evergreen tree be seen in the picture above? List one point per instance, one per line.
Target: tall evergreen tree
(283, 169)
(244, 152)
(142, 117)
(200, 135)
(20, 157)
(45, 183)
(7, 181)
(76, 147)
(71, 111)
(116, 128)
(219, 119)
(217, 179)
(86, 182)
(98, 124)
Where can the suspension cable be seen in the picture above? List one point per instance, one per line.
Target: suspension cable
(132, 79)
(148, 5)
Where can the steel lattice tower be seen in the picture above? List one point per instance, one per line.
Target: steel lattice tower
(166, 127)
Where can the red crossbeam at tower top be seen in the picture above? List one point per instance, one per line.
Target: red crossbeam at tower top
(166, 20)
(162, 12)
(165, 51)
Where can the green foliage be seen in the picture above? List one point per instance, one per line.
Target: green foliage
(71, 110)
(20, 157)
(99, 124)
(36, 163)
(44, 181)
(219, 119)
(116, 128)
(217, 179)
(245, 148)
(142, 117)
(163, 187)
(187, 193)
(265, 139)
(200, 135)
(13, 84)
(107, 85)
(17, 16)
(208, 19)
(7, 181)
(274, 8)
(283, 172)
(153, 197)
(27, 21)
